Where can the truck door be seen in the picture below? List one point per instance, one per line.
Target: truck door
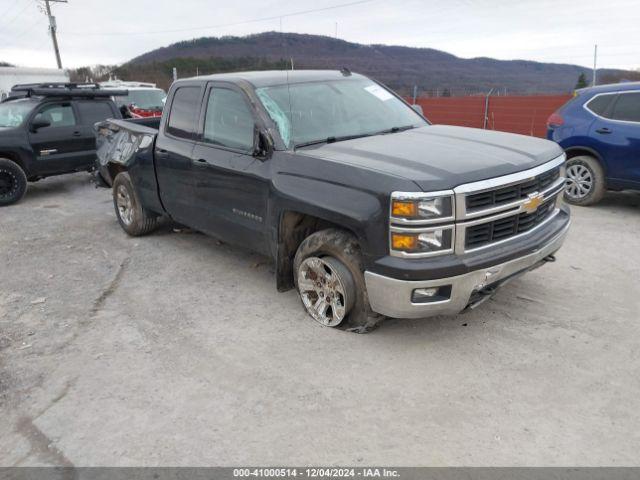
(58, 146)
(175, 171)
(619, 137)
(232, 185)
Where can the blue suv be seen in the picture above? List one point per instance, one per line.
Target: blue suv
(600, 131)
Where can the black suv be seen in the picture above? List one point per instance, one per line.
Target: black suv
(46, 130)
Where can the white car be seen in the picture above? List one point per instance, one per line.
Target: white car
(144, 100)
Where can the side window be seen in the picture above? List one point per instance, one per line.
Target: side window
(92, 112)
(184, 109)
(60, 115)
(600, 105)
(627, 107)
(229, 121)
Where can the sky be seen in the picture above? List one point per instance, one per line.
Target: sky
(113, 31)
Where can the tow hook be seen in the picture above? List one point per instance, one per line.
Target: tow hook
(550, 258)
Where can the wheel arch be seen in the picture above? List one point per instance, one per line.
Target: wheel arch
(15, 158)
(114, 169)
(293, 227)
(577, 151)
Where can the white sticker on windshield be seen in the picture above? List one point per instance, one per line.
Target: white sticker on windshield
(379, 92)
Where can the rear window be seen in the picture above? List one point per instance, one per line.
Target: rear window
(627, 107)
(184, 108)
(600, 105)
(93, 112)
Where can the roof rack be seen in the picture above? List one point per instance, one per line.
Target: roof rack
(59, 89)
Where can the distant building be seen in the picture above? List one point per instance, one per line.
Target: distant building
(10, 76)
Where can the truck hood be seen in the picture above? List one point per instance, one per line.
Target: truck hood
(438, 157)
(9, 135)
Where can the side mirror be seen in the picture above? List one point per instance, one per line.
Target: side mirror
(38, 124)
(417, 108)
(262, 144)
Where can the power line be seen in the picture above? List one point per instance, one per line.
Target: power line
(255, 20)
(11, 7)
(20, 12)
(28, 29)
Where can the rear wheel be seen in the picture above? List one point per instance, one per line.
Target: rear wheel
(133, 218)
(328, 276)
(585, 181)
(13, 182)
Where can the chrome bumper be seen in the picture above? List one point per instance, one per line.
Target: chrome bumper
(392, 297)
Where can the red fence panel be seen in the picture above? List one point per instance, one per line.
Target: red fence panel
(526, 115)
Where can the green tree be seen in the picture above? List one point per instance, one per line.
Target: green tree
(582, 81)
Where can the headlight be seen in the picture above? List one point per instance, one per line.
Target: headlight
(421, 242)
(421, 208)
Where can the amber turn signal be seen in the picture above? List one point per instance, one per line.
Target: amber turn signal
(403, 242)
(404, 209)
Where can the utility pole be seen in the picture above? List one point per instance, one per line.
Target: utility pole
(595, 59)
(53, 28)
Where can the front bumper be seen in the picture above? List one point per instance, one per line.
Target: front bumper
(393, 297)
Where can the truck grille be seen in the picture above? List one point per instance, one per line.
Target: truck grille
(511, 193)
(504, 228)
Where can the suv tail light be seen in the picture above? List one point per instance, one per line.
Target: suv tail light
(555, 120)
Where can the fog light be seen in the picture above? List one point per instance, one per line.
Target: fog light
(419, 293)
(431, 294)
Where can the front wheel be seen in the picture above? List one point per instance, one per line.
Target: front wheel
(13, 182)
(133, 218)
(585, 181)
(329, 279)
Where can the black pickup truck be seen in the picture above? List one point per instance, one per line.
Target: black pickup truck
(366, 208)
(47, 129)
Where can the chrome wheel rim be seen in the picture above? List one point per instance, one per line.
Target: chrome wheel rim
(579, 181)
(124, 204)
(326, 289)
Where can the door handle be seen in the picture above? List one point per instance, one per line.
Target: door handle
(603, 130)
(77, 134)
(201, 162)
(162, 151)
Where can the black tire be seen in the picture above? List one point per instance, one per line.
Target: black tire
(341, 250)
(133, 218)
(595, 183)
(13, 182)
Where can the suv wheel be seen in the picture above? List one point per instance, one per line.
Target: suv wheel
(13, 182)
(133, 219)
(585, 181)
(329, 279)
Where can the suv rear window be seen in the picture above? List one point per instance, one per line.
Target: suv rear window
(627, 107)
(92, 112)
(600, 105)
(184, 108)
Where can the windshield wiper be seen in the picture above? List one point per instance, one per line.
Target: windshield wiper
(396, 129)
(333, 139)
(351, 137)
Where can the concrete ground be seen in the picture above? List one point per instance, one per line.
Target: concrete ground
(174, 349)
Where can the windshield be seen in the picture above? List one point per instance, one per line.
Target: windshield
(146, 99)
(330, 110)
(14, 112)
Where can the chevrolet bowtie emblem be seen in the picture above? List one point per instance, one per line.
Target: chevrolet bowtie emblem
(533, 202)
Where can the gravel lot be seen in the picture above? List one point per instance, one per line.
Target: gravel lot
(174, 349)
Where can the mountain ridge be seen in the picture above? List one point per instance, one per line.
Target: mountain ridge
(399, 67)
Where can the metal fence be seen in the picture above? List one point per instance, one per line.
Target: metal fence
(526, 115)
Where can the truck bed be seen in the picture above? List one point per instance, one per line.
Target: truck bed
(130, 143)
